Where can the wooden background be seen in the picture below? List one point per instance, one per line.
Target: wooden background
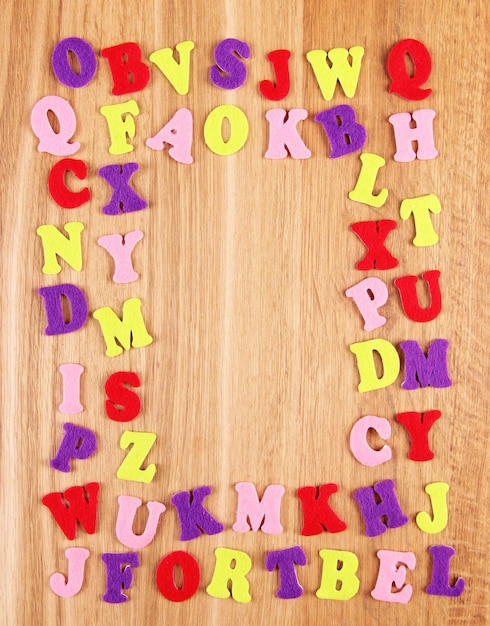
(243, 270)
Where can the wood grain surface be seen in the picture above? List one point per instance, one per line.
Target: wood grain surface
(243, 270)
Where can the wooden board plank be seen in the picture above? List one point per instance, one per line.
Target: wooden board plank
(243, 269)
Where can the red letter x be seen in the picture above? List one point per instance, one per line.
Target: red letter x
(373, 235)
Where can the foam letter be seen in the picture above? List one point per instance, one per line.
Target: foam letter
(49, 141)
(373, 235)
(78, 443)
(437, 493)
(347, 74)
(62, 68)
(119, 575)
(129, 73)
(130, 468)
(363, 191)
(213, 127)
(264, 514)
(402, 83)
(421, 370)
(359, 445)
(119, 127)
(80, 507)
(373, 511)
(393, 571)
(418, 426)
(338, 567)
(123, 405)
(283, 134)
(54, 311)
(231, 565)
(344, 133)
(439, 585)
(423, 134)
(165, 577)
(55, 243)
(177, 133)
(128, 505)
(317, 512)
(194, 518)
(130, 331)
(70, 375)
(421, 208)
(76, 567)
(120, 248)
(229, 72)
(124, 199)
(390, 361)
(176, 73)
(279, 89)
(407, 287)
(285, 560)
(369, 295)
(58, 189)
